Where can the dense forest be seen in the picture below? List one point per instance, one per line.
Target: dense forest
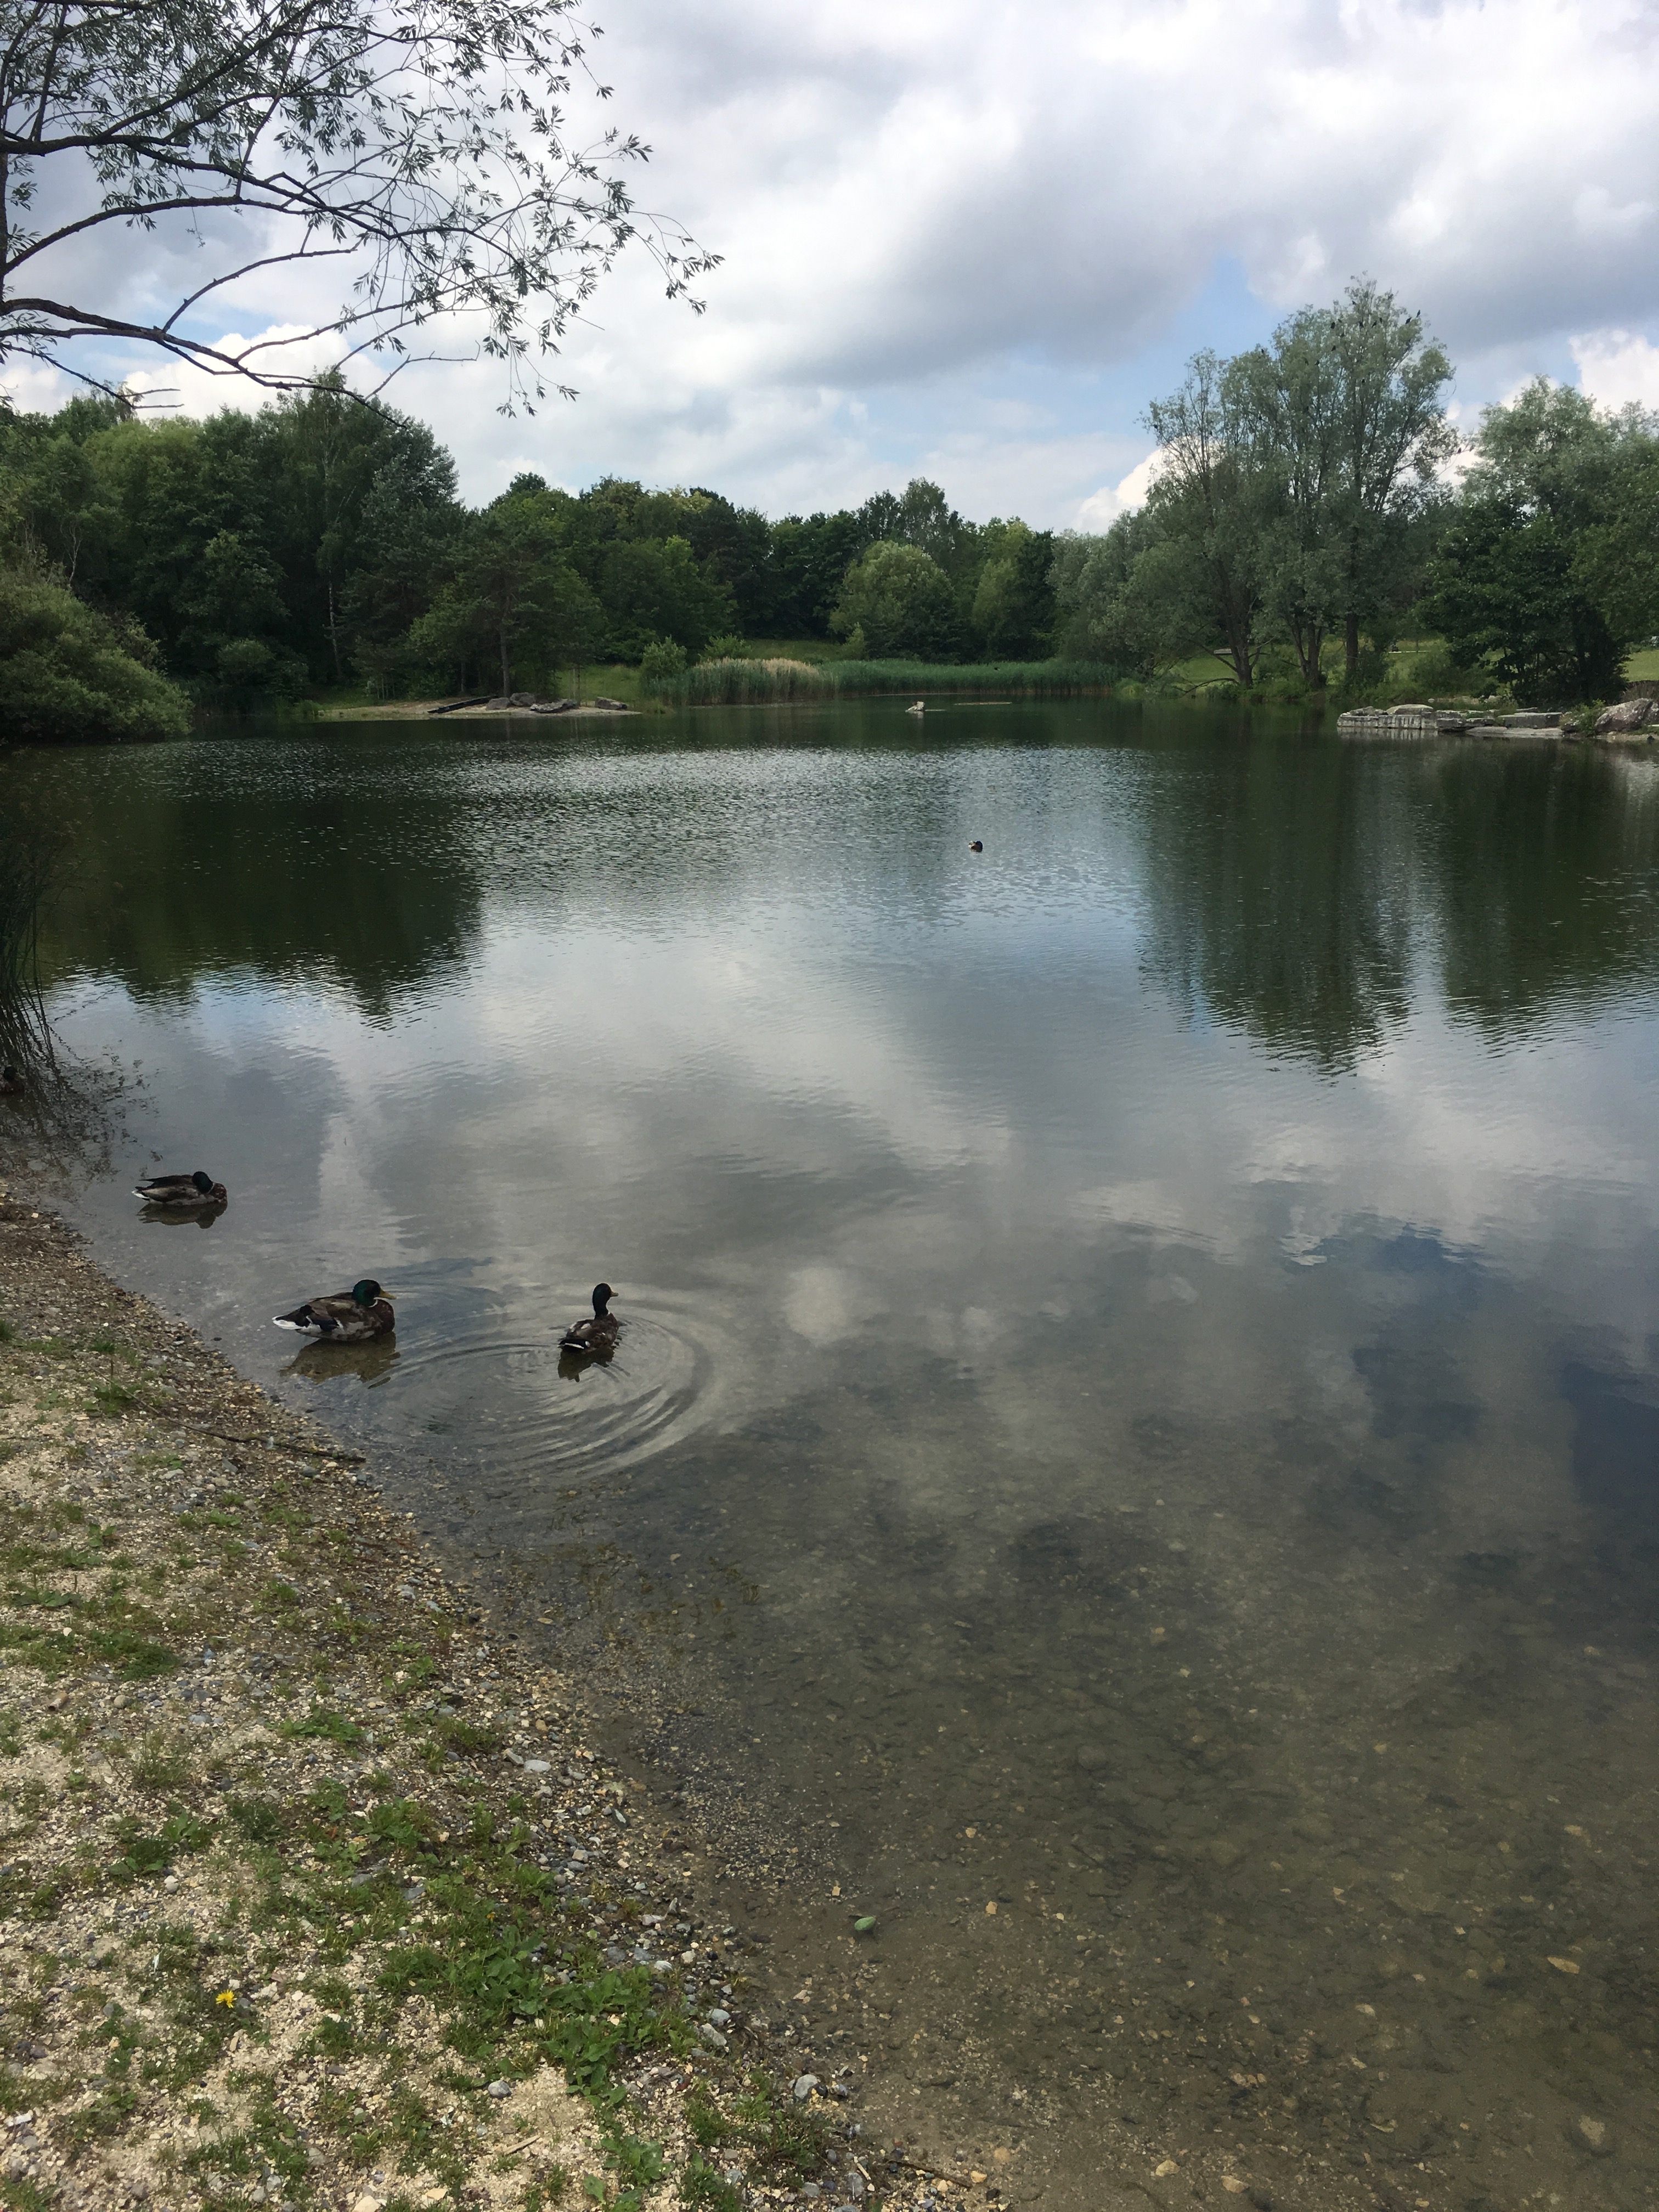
(1303, 514)
(320, 542)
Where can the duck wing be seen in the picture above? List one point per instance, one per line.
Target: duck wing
(168, 1190)
(327, 1316)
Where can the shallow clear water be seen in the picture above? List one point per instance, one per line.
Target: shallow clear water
(1139, 1399)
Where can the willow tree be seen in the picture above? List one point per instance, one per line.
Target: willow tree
(404, 162)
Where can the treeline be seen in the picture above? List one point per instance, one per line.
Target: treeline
(251, 558)
(1302, 517)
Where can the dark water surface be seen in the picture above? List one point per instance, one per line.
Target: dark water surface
(1139, 1401)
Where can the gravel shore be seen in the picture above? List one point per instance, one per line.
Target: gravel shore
(312, 1892)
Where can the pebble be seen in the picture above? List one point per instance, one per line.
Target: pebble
(500, 2089)
(170, 1882)
(1593, 2136)
(802, 2086)
(713, 2036)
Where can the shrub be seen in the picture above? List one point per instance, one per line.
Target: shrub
(662, 662)
(68, 673)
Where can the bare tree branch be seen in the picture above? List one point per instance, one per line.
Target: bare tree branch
(420, 144)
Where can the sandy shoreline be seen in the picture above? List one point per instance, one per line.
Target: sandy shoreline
(313, 1892)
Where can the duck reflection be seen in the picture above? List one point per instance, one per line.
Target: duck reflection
(181, 1216)
(370, 1361)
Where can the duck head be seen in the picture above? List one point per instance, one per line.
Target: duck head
(603, 1295)
(367, 1292)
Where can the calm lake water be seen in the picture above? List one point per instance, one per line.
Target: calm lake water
(1138, 1396)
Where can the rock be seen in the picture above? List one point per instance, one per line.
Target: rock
(500, 2089)
(1532, 718)
(170, 1882)
(802, 2086)
(1629, 718)
(713, 2036)
(1593, 2135)
(366, 2202)
(538, 1767)
(718, 2016)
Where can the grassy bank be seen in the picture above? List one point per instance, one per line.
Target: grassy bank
(754, 683)
(314, 1893)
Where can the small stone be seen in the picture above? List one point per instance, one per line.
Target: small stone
(538, 1767)
(802, 2086)
(1564, 1966)
(170, 1882)
(1593, 2136)
(366, 2202)
(718, 2016)
(1002, 2157)
(712, 2037)
(1233, 2185)
(976, 2176)
(1164, 2168)
(500, 2089)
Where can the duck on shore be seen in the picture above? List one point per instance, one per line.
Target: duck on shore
(597, 1332)
(195, 1191)
(347, 1317)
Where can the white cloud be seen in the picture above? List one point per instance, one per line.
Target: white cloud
(947, 234)
(1618, 367)
(1103, 508)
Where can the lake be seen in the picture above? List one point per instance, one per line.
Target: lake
(1137, 1402)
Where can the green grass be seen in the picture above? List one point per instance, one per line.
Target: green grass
(738, 683)
(1642, 667)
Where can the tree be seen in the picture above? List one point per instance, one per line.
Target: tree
(900, 599)
(1549, 568)
(72, 673)
(1204, 573)
(1013, 601)
(656, 587)
(510, 579)
(1102, 615)
(421, 152)
(1391, 435)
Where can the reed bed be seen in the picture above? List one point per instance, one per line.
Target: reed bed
(745, 683)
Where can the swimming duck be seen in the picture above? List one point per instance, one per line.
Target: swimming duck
(975, 846)
(194, 1191)
(11, 1083)
(598, 1331)
(349, 1316)
(920, 707)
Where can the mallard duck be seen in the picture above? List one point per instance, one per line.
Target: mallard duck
(349, 1317)
(598, 1331)
(11, 1083)
(194, 1191)
(975, 846)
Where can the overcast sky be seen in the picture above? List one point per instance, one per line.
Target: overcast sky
(971, 242)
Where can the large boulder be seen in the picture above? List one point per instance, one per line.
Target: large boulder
(1629, 718)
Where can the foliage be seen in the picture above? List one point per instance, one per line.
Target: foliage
(1295, 492)
(70, 671)
(900, 600)
(423, 152)
(1550, 568)
(661, 663)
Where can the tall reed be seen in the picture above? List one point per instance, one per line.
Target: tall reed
(741, 683)
(32, 849)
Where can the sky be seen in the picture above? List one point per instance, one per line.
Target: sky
(972, 243)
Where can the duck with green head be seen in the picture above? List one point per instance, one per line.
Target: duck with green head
(348, 1317)
(194, 1191)
(595, 1335)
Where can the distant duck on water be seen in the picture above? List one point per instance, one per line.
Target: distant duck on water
(920, 707)
(975, 845)
(349, 1317)
(194, 1191)
(597, 1332)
